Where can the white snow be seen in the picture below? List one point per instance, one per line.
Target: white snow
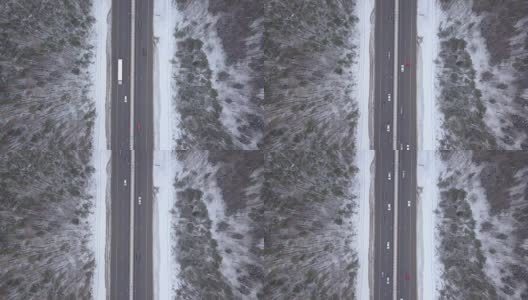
(166, 270)
(429, 268)
(101, 155)
(165, 133)
(166, 122)
(364, 156)
(429, 118)
(364, 161)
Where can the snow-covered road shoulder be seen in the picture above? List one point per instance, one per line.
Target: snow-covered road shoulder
(101, 154)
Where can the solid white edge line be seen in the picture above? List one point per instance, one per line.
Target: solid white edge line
(132, 153)
(395, 146)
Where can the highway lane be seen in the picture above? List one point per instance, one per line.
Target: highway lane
(407, 135)
(143, 147)
(120, 149)
(383, 146)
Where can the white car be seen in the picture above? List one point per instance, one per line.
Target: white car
(388, 127)
(401, 146)
(388, 207)
(126, 99)
(388, 245)
(409, 203)
(403, 174)
(388, 280)
(389, 176)
(139, 200)
(408, 147)
(402, 68)
(124, 182)
(389, 97)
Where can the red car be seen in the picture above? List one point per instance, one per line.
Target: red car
(138, 126)
(407, 276)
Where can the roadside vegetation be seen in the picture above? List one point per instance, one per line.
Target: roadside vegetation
(482, 225)
(218, 74)
(46, 123)
(218, 225)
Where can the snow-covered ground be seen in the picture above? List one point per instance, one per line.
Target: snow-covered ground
(364, 156)
(429, 119)
(165, 133)
(429, 268)
(101, 155)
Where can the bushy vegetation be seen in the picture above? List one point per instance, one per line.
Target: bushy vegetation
(461, 102)
(310, 51)
(217, 224)
(46, 120)
(483, 74)
(218, 74)
(482, 225)
(309, 241)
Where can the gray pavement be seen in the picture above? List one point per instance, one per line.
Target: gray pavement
(143, 146)
(121, 153)
(120, 146)
(383, 145)
(407, 271)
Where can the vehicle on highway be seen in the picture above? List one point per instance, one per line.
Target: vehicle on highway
(408, 147)
(126, 99)
(401, 110)
(138, 126)
(403, 174)
(139, 200)
(125, 182)
(402, 68)
(119, 71)
(388, 127)
(382, 274)
(388, 245)
(389, 176)
(388, 207)
(407, 276)
(401, 146)
(409, 203)
(389, 97)
(388, 280)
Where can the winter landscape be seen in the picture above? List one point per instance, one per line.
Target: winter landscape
(262, 161)
(474, 199)
(49, 151)
(258, 130)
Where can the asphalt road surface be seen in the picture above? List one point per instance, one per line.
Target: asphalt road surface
(383, 145)
(121, 153)
(120, 144)
(407, 271)
(143, 146)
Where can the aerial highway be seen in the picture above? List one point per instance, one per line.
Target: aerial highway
(395, 147)
(383, 146)
(407, 133)
(143, 147)
(120, 148)
(131, 146)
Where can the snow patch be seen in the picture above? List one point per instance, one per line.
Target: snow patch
(364, 156)
(166, 270)
(429, 118)
(101, 154)
(429, 279)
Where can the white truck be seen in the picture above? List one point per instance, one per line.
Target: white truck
(120, 71)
